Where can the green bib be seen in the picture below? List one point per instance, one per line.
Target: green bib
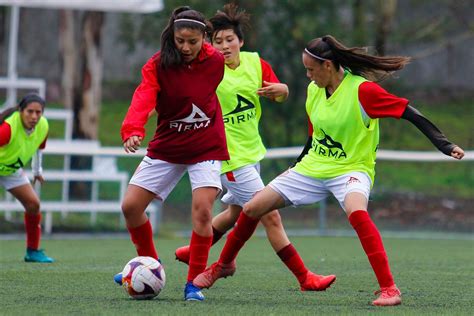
(241, 110)
(22, 146)
(342, 143)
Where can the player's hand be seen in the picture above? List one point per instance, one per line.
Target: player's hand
(38, 178)
(457, 152)
(132, 144)
(273, 91)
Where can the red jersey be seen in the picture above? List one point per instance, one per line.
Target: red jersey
(190, 127)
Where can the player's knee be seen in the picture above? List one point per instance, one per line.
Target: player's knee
(128, 209)
(250, 210)
(272, 220)
(202, 214)
(32, 206)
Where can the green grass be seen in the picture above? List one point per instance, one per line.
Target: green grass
(435, 276)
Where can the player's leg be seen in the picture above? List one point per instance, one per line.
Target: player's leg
(263, 202)
(276, 234)
(290, 188)
(206, 185)
(354, 194)
(25, 194)
(241, 185)
(134, 204)
(221, 223)
(153, 178)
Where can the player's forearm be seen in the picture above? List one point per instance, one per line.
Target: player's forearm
(37, 163)
(429, 129)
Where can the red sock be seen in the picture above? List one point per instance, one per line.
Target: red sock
(142, 238)
(216, 235)
(33, 230)
(238, 236)
(291, 258)
(371, 241)
(198, 254)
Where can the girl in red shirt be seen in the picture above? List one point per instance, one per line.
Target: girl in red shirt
(179, 83)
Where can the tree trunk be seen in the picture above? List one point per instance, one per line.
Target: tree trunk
(360, 29)
(88, 96)
(386, 12)
(69, 56)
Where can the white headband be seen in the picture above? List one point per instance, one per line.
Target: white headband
(190, 20)
(313, 55)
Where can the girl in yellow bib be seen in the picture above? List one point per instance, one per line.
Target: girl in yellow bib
(343, 107)
(23, 133)
(247, 77)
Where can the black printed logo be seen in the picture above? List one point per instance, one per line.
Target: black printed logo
(12, 167)
(236, 116)
(329, 147)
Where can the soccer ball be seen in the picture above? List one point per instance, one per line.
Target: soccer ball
(143, 278)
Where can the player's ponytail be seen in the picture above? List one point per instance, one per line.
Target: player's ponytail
(354, 59)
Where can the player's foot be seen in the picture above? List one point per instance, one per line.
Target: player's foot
(182, 254)
(389, 296)
(37, 255)
(192, 293)
(118, 278)
(316, 282)
(216, 271)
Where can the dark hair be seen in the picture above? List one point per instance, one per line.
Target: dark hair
(27, 99)
(230, 18)
(355, 59)
(170, 56)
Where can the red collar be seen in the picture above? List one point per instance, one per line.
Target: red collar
(206, 51)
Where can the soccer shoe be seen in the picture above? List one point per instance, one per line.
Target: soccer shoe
(216, 271)
(118, 278)
(316, 282)
(182, 254)
(33, 255)
(389, 296)
(192, 293)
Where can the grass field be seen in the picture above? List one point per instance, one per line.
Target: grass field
(435, 276)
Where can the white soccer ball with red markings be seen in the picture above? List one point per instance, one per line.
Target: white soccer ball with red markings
(143, 278)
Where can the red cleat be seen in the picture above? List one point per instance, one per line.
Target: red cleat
(182, 254)
(216, 271)
(316, 282)
(389, 296)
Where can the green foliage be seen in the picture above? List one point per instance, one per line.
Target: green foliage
(430, 274)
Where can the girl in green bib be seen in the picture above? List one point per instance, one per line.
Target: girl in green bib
(23, 133)
(247, 77)
(343, 107)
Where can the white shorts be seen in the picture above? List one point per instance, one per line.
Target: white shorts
(14, 180)
(160, 177)
(242, 184)
(298, 189)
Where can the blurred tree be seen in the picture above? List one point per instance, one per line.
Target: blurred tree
(82, 69)
(359, 11)
(82, 81)
(386, 10)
